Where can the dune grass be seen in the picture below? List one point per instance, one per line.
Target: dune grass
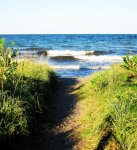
(24, 98)
(25, 89)
(32, 84)
(109, 103)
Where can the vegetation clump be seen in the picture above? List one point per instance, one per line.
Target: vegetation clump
(25, 88)
(109, 102)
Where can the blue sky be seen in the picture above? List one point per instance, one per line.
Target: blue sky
(68, 16)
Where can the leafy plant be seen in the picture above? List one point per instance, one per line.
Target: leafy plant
(7, 65)
(7, 53)
(130, 63)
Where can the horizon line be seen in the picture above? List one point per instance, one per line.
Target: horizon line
(66, 33)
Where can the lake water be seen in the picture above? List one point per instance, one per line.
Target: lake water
(73, 55)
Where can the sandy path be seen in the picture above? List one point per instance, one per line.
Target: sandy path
(64, 115)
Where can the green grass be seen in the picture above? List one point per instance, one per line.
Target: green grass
(109, 102)
(25, 90)
(24, 98)
(12, 116)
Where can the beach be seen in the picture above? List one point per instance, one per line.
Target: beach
(65, 100)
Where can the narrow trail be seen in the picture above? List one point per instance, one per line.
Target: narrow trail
(64, 116)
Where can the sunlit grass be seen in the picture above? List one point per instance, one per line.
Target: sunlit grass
(24, 98)
(109, 106)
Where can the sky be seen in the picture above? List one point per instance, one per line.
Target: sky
(68, 16)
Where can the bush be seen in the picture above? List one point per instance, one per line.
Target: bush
(130, 63)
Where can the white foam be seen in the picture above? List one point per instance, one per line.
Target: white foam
(78, 67)
(27, 52)
(68, 52)
(68, 67)
(100, 67)
(101, 58)
(83, 55)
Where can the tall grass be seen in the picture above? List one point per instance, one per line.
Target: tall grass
(25, 89)
(12, 116)
(109, 103)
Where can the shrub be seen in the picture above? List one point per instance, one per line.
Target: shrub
(130, 63)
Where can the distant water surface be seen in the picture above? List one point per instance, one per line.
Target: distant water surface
(78, 54)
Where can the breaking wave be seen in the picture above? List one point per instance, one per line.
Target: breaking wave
(75, 55)
(101, 58)
(88, 56)
(53, 53)
(63, 58)
(78, 67)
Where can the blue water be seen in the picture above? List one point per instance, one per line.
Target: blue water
(109, 48)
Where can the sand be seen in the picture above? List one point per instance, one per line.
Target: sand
(64, 115)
